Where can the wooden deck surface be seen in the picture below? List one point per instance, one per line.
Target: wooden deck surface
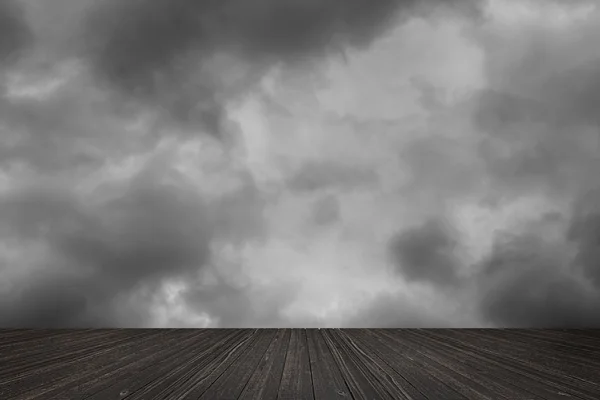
(300, 364)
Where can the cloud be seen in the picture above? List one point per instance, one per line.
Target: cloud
(70, 126)
(326, 210)
(98, 259)
(537, 138)
(543, 138)
(427, 253)
(584, 231)
(393, 311)
(232, 305)
(314, 176)
(106, 254)
(239, 215)
(178, 55)
(117, 210)
(440, 167)
(529, 282)
(15, 35)
(539, 110)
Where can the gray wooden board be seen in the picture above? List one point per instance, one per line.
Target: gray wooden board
(311, 364)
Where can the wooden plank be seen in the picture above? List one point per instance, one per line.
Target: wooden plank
(574, 359)
(548, 345)
(477, 359)
(394, 383)
(201, 374)
(523, 375)
(25, 336)
(464, 384)
(455, 367)
(235, 378)
(145, 372)
(39, 376)
(531, 355)
(296, 380)
(328, 382)
(405, 364)
(28, 355)
(575, 337)
(588, 333)
(189, 374)
(427, 385)
(109, 371)
(265, 381)
(361, 382)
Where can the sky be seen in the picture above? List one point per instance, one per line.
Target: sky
(299, 163)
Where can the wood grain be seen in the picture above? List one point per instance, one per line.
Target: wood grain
(311, 364)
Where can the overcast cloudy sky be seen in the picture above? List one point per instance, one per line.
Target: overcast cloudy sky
(299, 163)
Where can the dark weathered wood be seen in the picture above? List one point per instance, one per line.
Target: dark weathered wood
(383, 374)
(43, 373)
(360, 381)
(503, 364)
(525, 375)
(214, 365)
(265, 380)
(234, 379)
(148, 373)
(402, 360)
(82, 377)
(472, 382)
(194, 375)
(328, 382)
(296, 380)
(120, 376)
(549, 351)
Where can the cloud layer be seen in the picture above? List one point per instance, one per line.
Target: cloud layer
(299, 163)
(178, 55)
(14, 31)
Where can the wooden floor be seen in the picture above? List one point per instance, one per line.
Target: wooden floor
(299, 364)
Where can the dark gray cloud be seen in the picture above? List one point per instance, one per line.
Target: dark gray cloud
(315, 176)
(529, 279)
(579, 84)
(232, 305)
(439, 165)
(393, 311)
(73, 128)
(561, 2)
(102, 261)
(529, 282)
(239, 215)
(539, 136)
(427, 253)
(584, 231)
(15, 35)
(543, 137)
(497, 109)
(431, 96)
(99, 260)
(148, 50)
(550, 147)
(539, 114)
(326, 210)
